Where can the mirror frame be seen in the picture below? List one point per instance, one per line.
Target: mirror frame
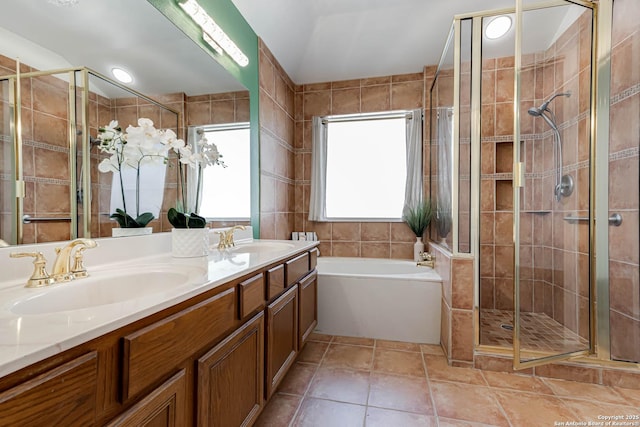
(233, 23)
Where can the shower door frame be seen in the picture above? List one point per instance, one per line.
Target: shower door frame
(16, 135)
(599, 348)
(535, 359)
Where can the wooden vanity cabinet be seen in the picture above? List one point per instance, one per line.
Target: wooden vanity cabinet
(65, 395)
(282, 338)
(230, 378)
(213, 360)
(163, 407)
(308, 307)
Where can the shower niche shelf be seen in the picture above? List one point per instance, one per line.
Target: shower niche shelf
(504, 194)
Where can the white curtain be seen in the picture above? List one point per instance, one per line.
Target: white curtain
(445, 161)
(317, 210)
(413, 187)
(194, 134)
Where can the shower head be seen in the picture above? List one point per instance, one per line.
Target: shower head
(546, 104)
(539, 111)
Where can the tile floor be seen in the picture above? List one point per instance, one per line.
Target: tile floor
(343, 382)
(537, 332)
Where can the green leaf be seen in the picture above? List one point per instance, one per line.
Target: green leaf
(196, 221)
(418, 217)
(126, 221)
(182, 220)
(144, 219)
(176, 218)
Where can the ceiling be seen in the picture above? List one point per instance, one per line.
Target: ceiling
(331, 40)
(315, 41)
(102, 34)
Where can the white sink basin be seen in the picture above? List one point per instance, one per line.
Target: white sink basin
(255, 247)
(106, 287)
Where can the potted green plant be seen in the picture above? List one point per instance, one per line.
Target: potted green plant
(418, 218)
(443, 222)
(189, 236)
(128, 152)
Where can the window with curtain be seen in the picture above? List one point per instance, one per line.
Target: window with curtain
(366, 167)
(227, 191)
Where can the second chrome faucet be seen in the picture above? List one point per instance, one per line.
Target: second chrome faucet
(63, 270)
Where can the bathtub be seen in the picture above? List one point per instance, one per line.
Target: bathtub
(378, 298)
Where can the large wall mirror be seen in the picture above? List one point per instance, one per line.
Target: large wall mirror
(177, 83)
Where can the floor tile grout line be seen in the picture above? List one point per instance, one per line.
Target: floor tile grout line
(429, 388)
(297, 411)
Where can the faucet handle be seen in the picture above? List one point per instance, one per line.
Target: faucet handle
(39, 277)
(79, 269)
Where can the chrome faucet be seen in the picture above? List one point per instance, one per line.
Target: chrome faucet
(226, 237)
(62, 269)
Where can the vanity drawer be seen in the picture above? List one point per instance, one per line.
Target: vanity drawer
(275, 281)
(152, 353)
(65, 395)
(251, 295)
(313, 258)
(296, 268)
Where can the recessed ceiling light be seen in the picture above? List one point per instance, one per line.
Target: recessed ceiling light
(498, 27)
(121, 75)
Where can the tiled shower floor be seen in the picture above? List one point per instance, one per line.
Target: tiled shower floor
(538, 332)
(344, 382)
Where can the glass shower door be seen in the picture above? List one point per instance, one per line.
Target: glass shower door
(551, 192)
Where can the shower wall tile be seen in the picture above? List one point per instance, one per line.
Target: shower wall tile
(462, 335)
(462, 284)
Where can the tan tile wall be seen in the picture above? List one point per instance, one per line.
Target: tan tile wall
(46, 156)
(277, 169)
(353, 239)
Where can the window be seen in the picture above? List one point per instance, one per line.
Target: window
(366, 167)
(227, 191)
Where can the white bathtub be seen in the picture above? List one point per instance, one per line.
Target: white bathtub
(378, 298)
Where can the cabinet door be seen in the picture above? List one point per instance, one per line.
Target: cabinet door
(231, 378)
(282, 337)
(63, 396)
(163, 407)
(308, 307)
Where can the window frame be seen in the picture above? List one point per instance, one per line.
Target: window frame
(220, 128)
(386, 115)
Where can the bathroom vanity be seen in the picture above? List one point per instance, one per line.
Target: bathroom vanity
(210, 352)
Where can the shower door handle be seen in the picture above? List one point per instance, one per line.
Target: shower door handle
(615, 219)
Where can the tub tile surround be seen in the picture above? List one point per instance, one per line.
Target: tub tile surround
(423, 390)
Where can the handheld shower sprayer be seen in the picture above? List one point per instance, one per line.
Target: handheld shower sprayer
(564, 183)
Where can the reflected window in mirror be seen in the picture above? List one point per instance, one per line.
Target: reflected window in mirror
(226, 191)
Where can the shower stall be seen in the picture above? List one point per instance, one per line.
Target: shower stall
(50, 188)
(536, 170)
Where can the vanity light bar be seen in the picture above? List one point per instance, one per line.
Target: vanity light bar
(207, 38)
(214, 33)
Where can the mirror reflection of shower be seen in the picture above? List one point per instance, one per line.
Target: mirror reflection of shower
(564, 183)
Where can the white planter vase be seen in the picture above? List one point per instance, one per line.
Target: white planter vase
(126, 232)
(189, 242)
(418, 247)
